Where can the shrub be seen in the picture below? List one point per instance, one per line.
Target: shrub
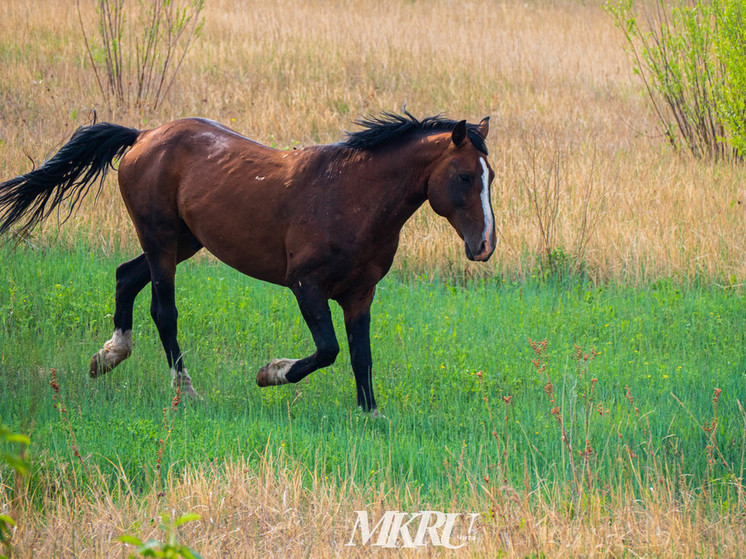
(690, 57)
(136, 61)
(730, 48)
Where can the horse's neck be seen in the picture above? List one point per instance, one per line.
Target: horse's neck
(398, 180)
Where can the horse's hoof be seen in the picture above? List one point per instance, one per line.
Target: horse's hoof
(116, 350)
(97, 369)
(274, 373)
(188, 390)
(183, 382)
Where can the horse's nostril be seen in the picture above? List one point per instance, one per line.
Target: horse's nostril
(469, 255)
(476, 252)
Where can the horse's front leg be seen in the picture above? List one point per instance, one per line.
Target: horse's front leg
(314, 307)
(356, 309)
(164, 314)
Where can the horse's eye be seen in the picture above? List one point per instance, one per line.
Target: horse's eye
(465, 178)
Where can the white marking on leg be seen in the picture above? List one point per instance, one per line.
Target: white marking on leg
(489, 218)
(275, 373)
(116, 350)
(184, 381)
(120, 345)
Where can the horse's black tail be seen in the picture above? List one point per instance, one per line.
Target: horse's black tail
(66, 176)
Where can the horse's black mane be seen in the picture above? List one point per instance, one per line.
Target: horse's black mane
(385, 127)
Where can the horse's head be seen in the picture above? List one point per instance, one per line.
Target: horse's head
(459, 189)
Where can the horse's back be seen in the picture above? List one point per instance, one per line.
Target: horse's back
(189, 137)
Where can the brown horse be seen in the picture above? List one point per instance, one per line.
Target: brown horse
(323, 220)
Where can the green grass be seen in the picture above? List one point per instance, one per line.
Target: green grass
(429, 341)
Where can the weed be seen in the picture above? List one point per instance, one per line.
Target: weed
(64, 419)
(169, 548)
(168, 419)
(541, 364)
(545, 181)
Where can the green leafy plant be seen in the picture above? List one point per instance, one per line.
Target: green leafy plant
(136, 60)
(690, 57)
(730, 48)
(169, 548)
(19, 463)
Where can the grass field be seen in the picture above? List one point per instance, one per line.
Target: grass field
(638, 449)
(430, 340)
(669, 347)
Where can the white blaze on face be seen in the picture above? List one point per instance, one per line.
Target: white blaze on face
(489, 218)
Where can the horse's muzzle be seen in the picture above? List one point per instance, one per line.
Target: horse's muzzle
(483, 253)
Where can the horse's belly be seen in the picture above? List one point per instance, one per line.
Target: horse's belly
(255, 257)
(261, 268)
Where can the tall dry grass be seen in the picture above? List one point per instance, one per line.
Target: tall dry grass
(275, 508)
(553, 75)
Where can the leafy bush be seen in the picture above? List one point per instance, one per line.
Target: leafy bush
(730, 47)
(691, 59)
(19, 463)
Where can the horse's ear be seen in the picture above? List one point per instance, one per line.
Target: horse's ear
(484, 127)
(459, 133)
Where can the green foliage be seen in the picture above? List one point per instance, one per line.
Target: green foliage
(6, 531)
(730, 47)
(19, 463)
(170, 548)
(690, 57)
(136, 60)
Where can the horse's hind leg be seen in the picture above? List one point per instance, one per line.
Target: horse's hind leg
(132, 277)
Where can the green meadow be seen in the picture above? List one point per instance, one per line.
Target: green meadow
(632, 369)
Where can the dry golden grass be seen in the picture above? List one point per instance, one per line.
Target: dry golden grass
(553, 76)
(277, 509)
